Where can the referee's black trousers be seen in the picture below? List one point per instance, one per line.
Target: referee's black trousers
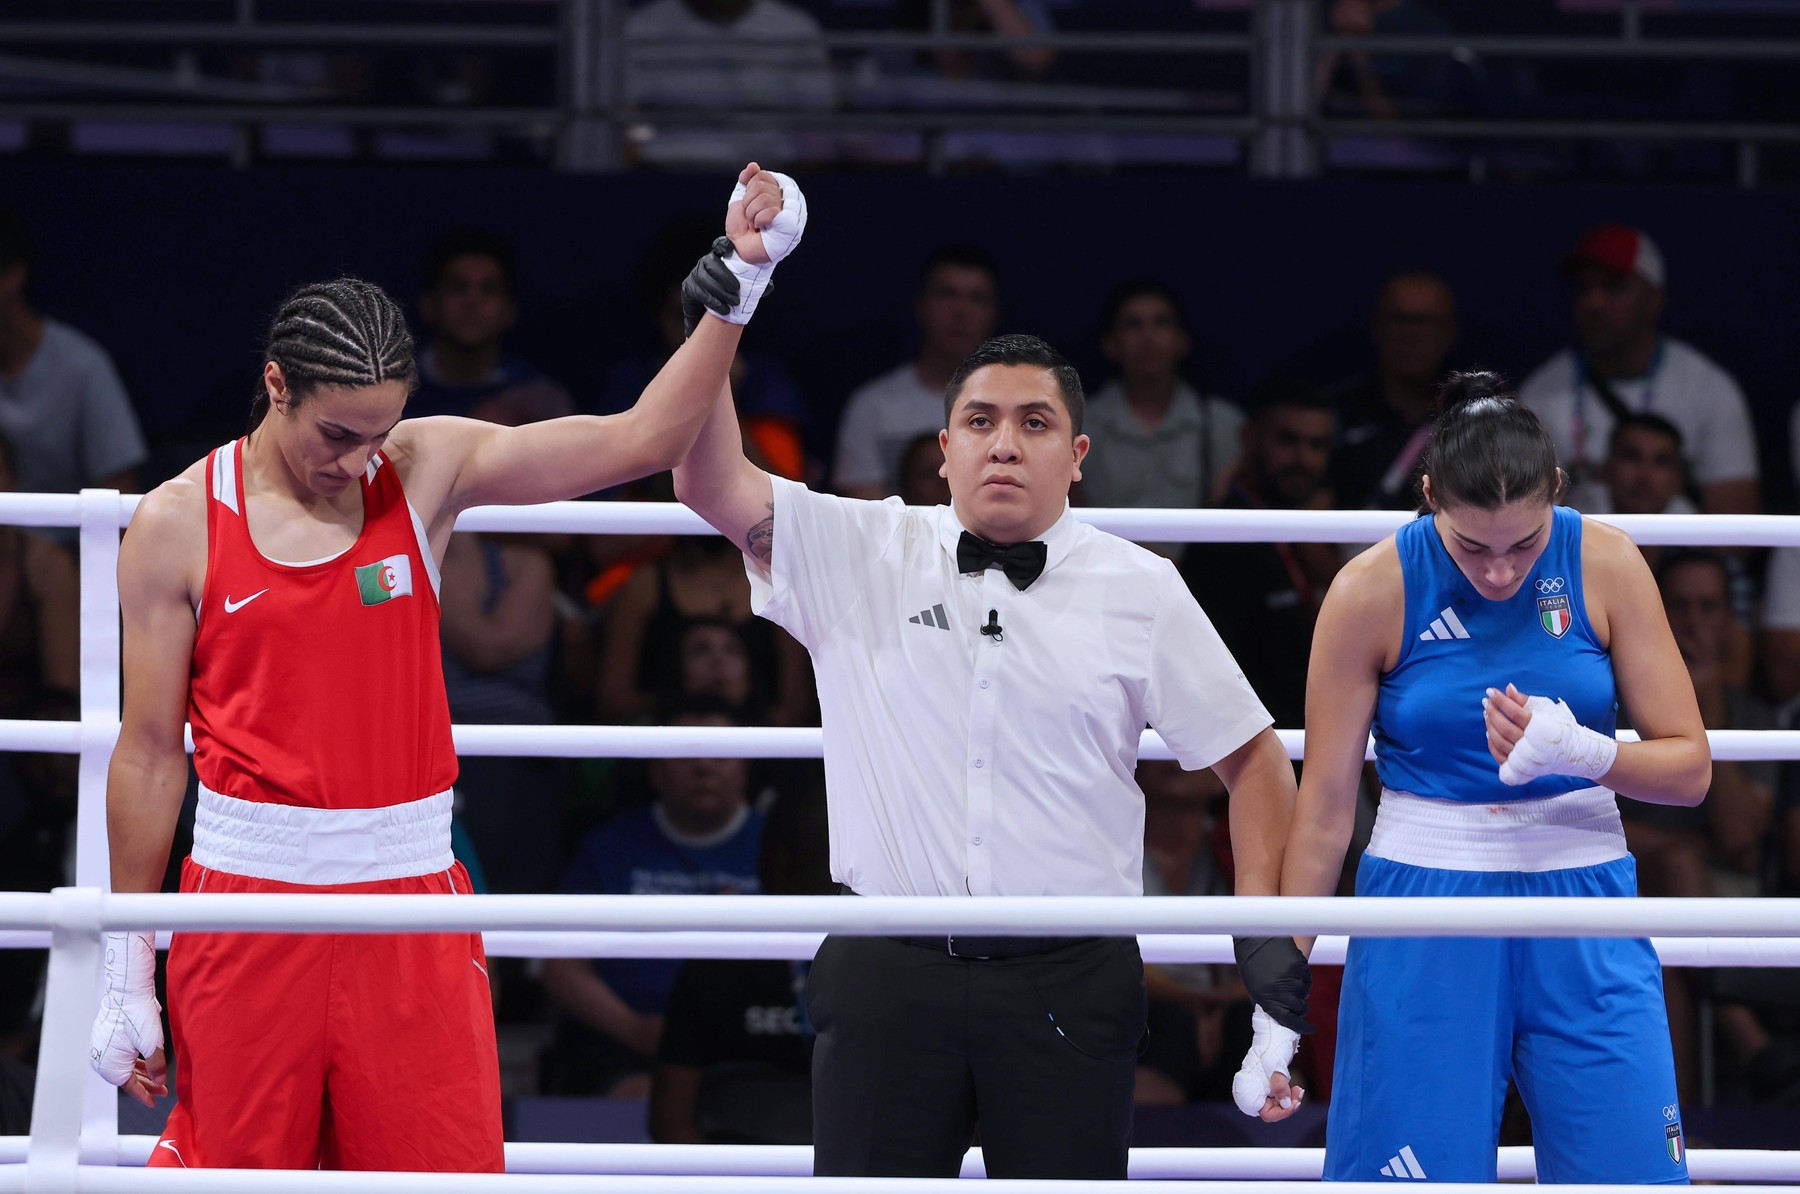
(917, 1047)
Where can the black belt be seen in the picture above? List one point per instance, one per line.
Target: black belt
(985, 947)
(993, 947)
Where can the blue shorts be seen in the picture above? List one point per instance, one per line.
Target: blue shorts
(1431, 1029)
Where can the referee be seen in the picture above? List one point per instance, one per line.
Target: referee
(985, 670)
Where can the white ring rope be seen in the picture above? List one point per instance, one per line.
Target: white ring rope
(1157, 948)
(96, 1180)
(752, 742)
(1425, 916)
(1162, 526)
(74, 1141)
(795, 1160)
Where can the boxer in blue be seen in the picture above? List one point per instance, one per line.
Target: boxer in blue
(1489, 644)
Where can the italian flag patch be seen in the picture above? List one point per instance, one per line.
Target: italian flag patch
(384, 580)
(1672, 1138)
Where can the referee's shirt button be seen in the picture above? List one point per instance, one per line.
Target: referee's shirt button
(981, 762)
(983, 683)
(976, 839)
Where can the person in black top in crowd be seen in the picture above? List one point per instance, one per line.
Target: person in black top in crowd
(1263, 597)
(735, 1062)
(1385, 415)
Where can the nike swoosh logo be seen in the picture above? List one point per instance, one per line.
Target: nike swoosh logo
(232, 607)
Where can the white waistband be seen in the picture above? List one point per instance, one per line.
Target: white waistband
(1576, 829)
(292, 844)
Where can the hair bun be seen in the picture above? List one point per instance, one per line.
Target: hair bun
(1461, 389)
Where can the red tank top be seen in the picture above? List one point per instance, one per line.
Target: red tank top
(320, 684)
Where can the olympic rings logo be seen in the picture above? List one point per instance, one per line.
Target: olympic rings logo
(1553, 585)
(1671, 1112)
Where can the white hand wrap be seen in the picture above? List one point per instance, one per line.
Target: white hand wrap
(778, 239)
(129, 1025)
(1271, 1052)
(1554, 743)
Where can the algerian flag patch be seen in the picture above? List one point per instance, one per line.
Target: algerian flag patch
(384, 580)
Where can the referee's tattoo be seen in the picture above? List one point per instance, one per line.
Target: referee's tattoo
(760, 542)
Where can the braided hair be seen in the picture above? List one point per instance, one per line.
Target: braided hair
(345, 332)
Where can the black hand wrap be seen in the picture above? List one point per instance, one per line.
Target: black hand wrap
(710, 284)
(1277, 976)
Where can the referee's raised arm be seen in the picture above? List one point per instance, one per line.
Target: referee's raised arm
(718, 482)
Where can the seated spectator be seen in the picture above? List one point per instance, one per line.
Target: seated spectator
(1778, 642)
(470, 304)
(957, 306)
(1385, 415)
(1355, 82)
(922, 480)
(1643, 472)
(735, 1062)
(702, 577)
(1719, 845)
(1625, 363)
(498, 628)
(697, 836)
(1264, 597)
(40, 673)
(1005, 18)
(715, 662)
(1157, 442)
(1199, 1013)
(62, 405)
(725, 55)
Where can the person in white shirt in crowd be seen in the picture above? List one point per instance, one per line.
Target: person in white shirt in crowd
(1163, 444)
(62, 405)
(981, 731)
(1780, 622)
(957, 306)
(702, 55)
(1625, 363)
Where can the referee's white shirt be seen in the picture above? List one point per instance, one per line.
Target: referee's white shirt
(963, 764)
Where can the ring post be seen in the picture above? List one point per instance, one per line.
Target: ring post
(101, 517)
(57, 1104)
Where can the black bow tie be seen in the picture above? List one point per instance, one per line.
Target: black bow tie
(1022, 562)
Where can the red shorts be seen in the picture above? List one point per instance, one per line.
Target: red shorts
(335, 1051)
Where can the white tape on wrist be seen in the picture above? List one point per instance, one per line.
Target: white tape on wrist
(1554, 743)
(1272, 1049)
(779, 239)
(129, 1024)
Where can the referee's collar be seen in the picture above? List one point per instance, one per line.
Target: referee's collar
(1057, 540)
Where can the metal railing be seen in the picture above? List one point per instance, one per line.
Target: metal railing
(587, 121)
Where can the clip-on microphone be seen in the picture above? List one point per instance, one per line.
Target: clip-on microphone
(992, 629)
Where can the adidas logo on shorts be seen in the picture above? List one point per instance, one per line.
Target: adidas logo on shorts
(1404, 1164)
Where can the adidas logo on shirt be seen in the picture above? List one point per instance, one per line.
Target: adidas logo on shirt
(1405, 1164)
(934, 616)
(1443, 627)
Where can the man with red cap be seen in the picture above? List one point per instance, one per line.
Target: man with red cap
(1624, 364)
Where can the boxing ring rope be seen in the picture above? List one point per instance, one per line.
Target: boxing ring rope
(74, 1143)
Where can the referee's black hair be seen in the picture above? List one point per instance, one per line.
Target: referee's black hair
(345, 332)
(1020, 350)
(1488, 450)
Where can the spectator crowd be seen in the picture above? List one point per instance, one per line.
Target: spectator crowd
(658, 631)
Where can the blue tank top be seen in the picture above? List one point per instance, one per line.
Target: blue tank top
(1429, 736)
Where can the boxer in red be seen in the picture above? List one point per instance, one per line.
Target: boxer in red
(281, 595)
